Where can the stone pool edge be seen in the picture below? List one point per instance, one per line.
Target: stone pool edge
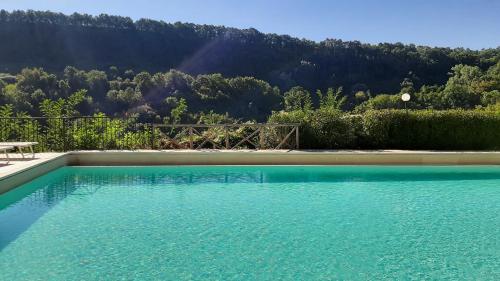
(26, 172)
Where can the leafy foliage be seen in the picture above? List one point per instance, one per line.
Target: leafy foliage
(103, 41)
(332, 99)
(397, 129)
(151, 71)
(298, 98)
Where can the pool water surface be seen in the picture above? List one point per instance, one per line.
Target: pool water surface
(254, 223)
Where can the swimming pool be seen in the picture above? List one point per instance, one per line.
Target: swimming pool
(254, 223)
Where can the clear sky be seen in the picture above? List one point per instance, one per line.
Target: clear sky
(450, 23)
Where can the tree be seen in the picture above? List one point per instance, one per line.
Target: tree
(98, 85)
(283, 61)
(63, 107)
(215, 118)
(464, 87)
(360, 97)
(297, 98)
(492, 77)
(211, 87)
(177, 112)
(144, 83)
(113, 72)
(178, 84)
(129, 74)
(32, 79)
(430, 97)
(124, 99)
(19, 99)
(252, 97)
(333, 99)
(407, 87)
(76, 79)
(490, 98)
(381, 102)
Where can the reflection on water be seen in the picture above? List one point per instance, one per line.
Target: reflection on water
(280, 174)
(80, 181)
(23, 206)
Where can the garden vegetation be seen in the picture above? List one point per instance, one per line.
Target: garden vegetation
(344, 94)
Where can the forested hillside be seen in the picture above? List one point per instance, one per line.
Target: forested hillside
(52, 65)
(343, 94)
(178, 96)
(54, 41)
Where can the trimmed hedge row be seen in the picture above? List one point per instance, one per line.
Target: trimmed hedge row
(397, 129)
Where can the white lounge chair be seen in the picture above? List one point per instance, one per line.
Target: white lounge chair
(20, 146)
(5, 149)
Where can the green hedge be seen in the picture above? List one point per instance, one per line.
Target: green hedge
(397, 129)
(320, 129)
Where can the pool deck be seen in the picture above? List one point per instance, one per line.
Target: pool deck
(17, 163)
(20, 170)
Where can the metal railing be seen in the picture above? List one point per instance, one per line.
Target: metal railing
(107, 133)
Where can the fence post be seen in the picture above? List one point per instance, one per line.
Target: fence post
(65, 137)
(261, 137)
(297, 137)
(226, 132)
(152, 136)
(190, 137)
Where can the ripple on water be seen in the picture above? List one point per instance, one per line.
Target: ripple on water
(253, 223)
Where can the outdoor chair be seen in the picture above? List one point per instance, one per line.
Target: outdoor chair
(5, 149)
(20, 146)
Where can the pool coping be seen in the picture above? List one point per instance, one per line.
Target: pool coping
(27, 172)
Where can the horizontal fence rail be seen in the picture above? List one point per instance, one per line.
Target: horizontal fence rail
(226, 136)
(130, 133)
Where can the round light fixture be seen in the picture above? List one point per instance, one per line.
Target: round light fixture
(406, 97)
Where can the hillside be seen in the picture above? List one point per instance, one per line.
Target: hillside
(53, 41)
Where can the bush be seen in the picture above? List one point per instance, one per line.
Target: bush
(396, 129)
(424, 129)
(325, 128)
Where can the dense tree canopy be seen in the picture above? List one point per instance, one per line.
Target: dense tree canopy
(53, 41)
(173, 93)
(55, 65)
(180, 96)
(199, 73)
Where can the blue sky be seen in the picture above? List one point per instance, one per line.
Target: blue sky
(449, 23)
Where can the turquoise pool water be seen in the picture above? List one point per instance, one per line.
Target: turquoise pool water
(253, 223)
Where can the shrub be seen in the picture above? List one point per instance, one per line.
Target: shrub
(442, 130)
(325, 128)
(396, 129)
